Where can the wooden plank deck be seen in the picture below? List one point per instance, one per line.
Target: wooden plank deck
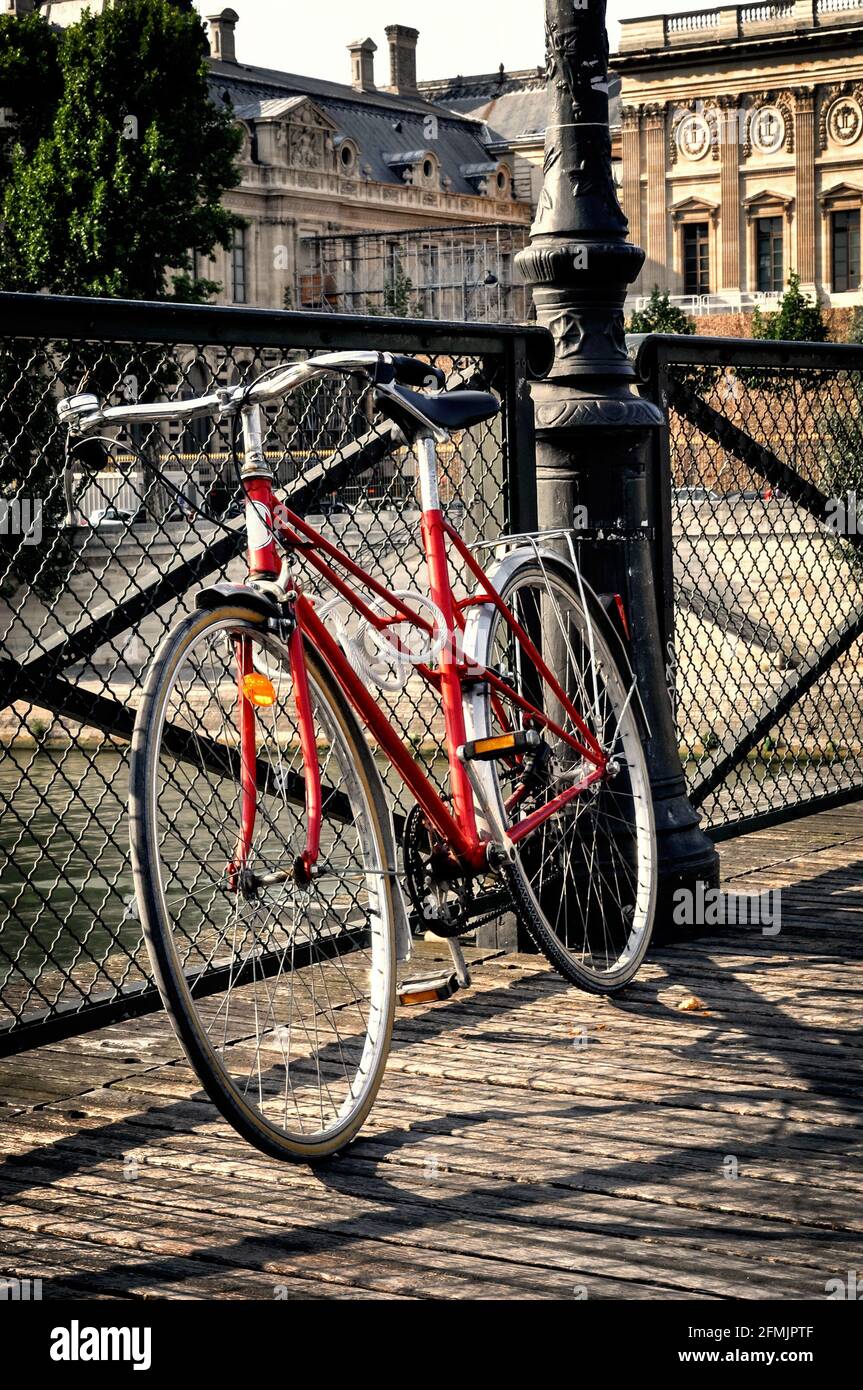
(529, 1141)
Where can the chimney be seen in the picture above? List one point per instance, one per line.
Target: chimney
(403, 59)
(222, 40)
(362, 53)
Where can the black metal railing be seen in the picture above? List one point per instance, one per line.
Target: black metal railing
(760, 571)
(101, 546)
(757, 552)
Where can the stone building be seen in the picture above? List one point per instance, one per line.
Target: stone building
(742, 150)
(321, 159)
(512, 106)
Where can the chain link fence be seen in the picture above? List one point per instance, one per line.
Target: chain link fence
(758, 508)
(761, 568)
(103, 545)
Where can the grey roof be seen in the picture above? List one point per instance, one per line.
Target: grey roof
(403, 156)
(239, 74)
(511, 116)
(512, 105)
(379, 122)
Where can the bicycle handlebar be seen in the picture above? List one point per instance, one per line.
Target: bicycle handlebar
(84, 412)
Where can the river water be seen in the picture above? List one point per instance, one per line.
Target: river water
(66, 882)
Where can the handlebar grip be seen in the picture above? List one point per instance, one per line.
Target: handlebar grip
(411, 372)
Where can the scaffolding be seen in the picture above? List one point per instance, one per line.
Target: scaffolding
(458, 274)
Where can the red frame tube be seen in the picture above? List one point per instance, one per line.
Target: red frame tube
(309, 745)
(248, 759)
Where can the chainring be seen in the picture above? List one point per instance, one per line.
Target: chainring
(441, 906)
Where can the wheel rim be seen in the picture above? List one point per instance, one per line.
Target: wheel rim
(298, 1031)
(590, 871)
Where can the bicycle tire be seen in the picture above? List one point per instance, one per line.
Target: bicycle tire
(175, 980)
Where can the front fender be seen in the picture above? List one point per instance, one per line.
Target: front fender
(230, 595)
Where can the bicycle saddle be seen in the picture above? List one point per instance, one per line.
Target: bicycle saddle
(450, 410)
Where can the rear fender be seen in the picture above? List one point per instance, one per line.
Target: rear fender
(480, 616)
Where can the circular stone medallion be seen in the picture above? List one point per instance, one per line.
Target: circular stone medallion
(694, 137)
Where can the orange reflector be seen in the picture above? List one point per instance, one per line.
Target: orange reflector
(259, 690)
(423, 996)
(494, 745)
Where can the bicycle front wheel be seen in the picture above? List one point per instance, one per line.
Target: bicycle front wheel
(584, 885)
(281, 993)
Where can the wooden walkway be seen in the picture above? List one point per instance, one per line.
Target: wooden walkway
(529, 1142)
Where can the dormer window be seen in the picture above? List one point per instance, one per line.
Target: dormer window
(489, 180)
(427, 171)
(347, 156)
(418, 167)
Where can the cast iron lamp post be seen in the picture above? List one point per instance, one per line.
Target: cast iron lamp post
(594, 431)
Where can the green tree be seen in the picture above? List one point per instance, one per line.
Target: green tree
(126, 186)
(400, 298)
(660, 316)
(854, 332)
(30, 85)
(113, 163)
(798, 318)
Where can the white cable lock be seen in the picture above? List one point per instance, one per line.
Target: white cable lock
(379, 656)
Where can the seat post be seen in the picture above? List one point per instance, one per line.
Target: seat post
(427, 472)
(440, 590)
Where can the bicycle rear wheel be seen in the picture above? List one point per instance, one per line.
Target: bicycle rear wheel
(584, 885)
(282, 994)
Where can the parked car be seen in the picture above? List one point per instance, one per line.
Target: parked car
(766, 494)
(694, 495)
(117, 516)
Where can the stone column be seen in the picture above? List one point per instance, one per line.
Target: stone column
(594, 430)
(657, 271)
(728, 122)
(804, 155)
(630, 120)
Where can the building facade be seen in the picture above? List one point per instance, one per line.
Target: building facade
(321, 159)
(742, 150)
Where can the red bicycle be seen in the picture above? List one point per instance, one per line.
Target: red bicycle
(275, 897)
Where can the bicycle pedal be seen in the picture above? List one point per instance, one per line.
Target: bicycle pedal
(430, 989)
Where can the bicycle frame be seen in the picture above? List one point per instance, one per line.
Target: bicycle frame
(268, 519)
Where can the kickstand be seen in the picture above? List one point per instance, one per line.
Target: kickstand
(459, 962)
